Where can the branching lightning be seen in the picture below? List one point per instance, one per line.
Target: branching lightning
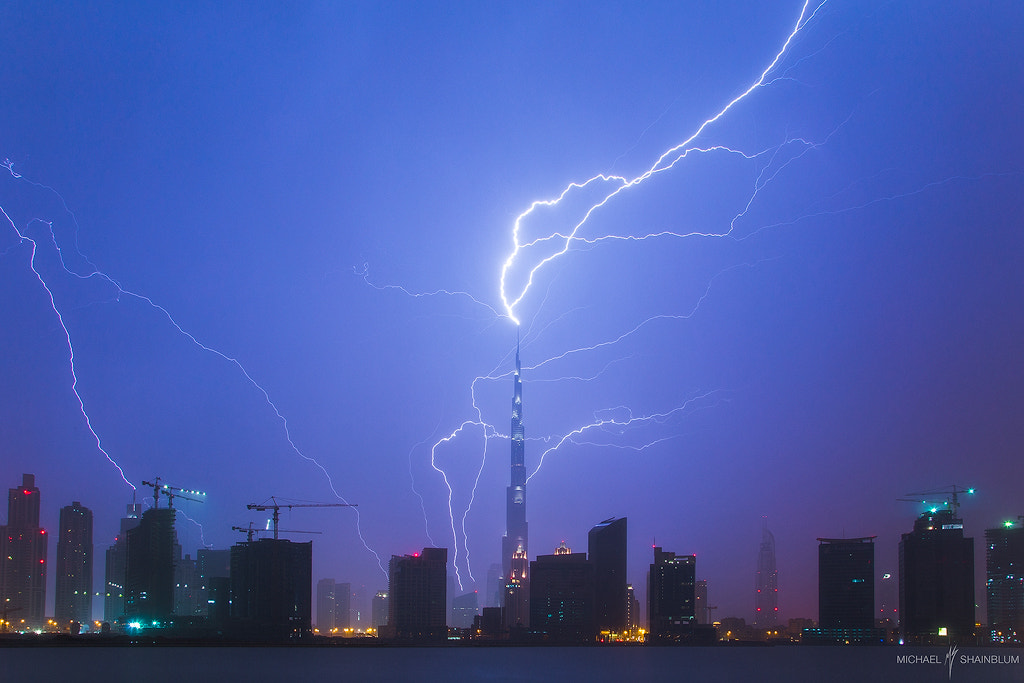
(122, 292)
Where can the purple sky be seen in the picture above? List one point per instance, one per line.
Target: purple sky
(288, 182)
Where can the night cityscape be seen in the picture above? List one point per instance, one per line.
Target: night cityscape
(394, 337)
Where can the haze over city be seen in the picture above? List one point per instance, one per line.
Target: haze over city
(275, 238)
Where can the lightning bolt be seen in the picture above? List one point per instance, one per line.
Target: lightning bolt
(120, 292)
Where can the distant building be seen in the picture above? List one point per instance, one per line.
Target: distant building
(562, 606)
(766, 583)
(700, 601)
(73, 597)
(325, 600)
(846, 592)
(1004, 573)
(116, 567)
(671, 600)
(495, 595)
(379, 616)
(23, 557)
(149, 573)
(606, 546)
(937, 581)
(632, 608)
(271, 588)
(417, 595)
(212, 564)
(186, 588)
(465, 608)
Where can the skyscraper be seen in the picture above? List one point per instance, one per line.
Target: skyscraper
(271, 587)
(515, 542)
(73, 600)
(606, 545)
(846, 592)
(23, 557)
(325, 597)
(1004, 585)
(671, 596)
(116, 566)
(417, 595)
(766, 584)
(937, 581)
(149, 572)
(562, 597)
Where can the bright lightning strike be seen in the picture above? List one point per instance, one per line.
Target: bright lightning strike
(668, 160)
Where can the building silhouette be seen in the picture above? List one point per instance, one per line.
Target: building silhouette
(937, 581)
(325, 596)
(700, 601)
(116, 567)
(73, 596)
(417, 596)
(671, 596)
(23, 558)
(606, 546)
(213, 571)
(632, 608)
(515, 544)
(846, 592)
(1004, 582)
(149, 569)
(186, 587)
(562, 590)
(379, 611)
(271, 587)
(465, 609)
(766, 582)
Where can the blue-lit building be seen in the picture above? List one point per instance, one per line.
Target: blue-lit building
(1004, 582)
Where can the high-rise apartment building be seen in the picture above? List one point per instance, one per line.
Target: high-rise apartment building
(23, 558)
(73, 597)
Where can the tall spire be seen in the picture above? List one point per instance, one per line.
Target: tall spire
(515, 542)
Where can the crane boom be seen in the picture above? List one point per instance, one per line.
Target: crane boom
(275, 506)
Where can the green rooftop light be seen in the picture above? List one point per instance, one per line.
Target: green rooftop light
(971, 491)
(1008, 524)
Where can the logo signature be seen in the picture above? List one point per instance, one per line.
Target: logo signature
(950, 658)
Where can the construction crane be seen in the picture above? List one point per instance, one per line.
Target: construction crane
(276, 507)
(171, 492)
(250, 531)
(951, 492)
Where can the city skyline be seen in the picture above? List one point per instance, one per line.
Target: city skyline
(297, 187)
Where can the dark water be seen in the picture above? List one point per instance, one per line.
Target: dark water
(730, 664)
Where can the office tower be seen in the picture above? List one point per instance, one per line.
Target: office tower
(343, 612)
(766, 596)
(116, 567)
(417, 593)
(325, 598)
(149, 570)
(1004, 584)
(495, 595)
(186, 587)
(211, 564)
(606, 546)
(73, 601)
(515, 545)
(937, 581)
(464, 610)
(846, 583)
(846, 593)
(23, 558)
(700, 602)
(271, 586)
(380, 610)
(562, 606)
(671, 595)
(632, 608)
